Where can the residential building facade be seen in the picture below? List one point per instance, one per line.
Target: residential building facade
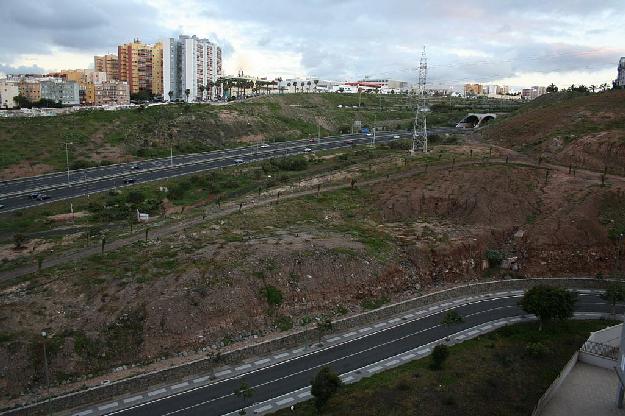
(472, 89)
(141, 66)
(59, 90)
(30, 88)
(620, 79)
(112, 93)
(193, 64)
(9, 89)
(107, 63)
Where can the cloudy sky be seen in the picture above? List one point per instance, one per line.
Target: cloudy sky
(526, 42)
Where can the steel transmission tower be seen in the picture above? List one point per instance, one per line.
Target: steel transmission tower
(420, 130)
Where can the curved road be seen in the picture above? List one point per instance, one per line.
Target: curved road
(14, 194)
(392, 339)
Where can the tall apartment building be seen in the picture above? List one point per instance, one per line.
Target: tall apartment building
(620, 79)
(59, 90)
(193, 64)
(30, 88)
(9, 89)
(112, 93)
(141, 66)
(107, 63)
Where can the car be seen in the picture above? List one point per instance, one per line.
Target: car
(42, 197)
(134, 167)
(264, 145)
(396, 136)
(33, 196)
(368, 134)
(307, 149)
(238, 161)
(129, 180)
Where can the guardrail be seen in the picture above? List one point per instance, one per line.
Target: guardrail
(602, 350)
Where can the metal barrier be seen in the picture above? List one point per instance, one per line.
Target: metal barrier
(602, 350)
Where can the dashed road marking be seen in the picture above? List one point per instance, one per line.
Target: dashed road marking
(284, 401)
(223, 373)
(179, 385)
(108, 406)
(133, 399)
(284, 354)
(243, 367)
(156, 392)
(261, 362)
(374, 369)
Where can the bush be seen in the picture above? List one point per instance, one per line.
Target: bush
(452, 317)
(284, 323)
(494, 257)
(325, 384)
(294, 163)
(439, 355)
(135, 197)
(537, 349)
(273, 295)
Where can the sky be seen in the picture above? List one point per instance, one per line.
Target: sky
(510, 42)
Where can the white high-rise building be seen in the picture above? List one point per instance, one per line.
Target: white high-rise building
(192, 64)
(620, 79)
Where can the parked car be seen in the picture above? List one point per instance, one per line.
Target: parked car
(129, 180)
(42, 197)
(238, 161)
(264, 145)
(134, 167)
(396, 136)
(33, 196)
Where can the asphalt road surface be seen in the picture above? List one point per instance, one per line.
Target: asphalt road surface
(14, 194)
(288, 376)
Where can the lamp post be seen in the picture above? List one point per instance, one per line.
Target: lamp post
(44, 334)
(67, 160)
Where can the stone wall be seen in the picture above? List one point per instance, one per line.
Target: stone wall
(144, 381)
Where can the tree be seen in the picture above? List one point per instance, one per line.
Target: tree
(201, 88)
(325, 384)
(316, 82)
(614, 293)
(186, 93)
(439, 355)
(19, 239)
(171, 95)
(552, 88)
(323, 326)
(309, 84)
(548, 302)
(295, 85)
(245, 392)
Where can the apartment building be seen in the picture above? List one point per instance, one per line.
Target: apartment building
(108, 64)
(620, 79)
(112, 93)
(60, 90)
(193, 64)
(30, 88)
(472, 89)
(9, 89)
(141, 66)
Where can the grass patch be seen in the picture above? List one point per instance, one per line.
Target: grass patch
(506, 380)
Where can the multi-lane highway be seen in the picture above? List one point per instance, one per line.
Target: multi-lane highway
(15, 194)
(392, 339)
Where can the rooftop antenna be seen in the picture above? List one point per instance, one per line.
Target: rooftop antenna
(420, 129)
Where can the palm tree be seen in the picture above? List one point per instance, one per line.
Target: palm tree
(171, 95)
(209, 89)
(201, 88)
(593, 88)
(288, 85)
(316, 82)
(309, 84)
(295, 85)
(187, 92)
(302, 85)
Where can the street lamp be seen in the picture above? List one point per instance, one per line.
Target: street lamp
(44, 334)
(67, 160)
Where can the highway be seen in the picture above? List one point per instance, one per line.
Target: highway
(14, 194)
(345, 353)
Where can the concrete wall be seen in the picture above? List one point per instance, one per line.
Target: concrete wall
(144, 381)
(553, 388)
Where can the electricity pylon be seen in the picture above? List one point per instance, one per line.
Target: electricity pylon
(420, 129)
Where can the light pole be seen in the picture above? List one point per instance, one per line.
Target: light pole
(44, 334)
(67, 160)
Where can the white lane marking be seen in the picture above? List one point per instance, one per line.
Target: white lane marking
(223, 373)
(108, 406)
(408, 357)
(304, 394)
(155, 392)
(263, 409)
(284, 354)
(380, 325)
(334, 339)
(261, 362)
(284, 401)
(84, 413)
(133, 399)
(179, 385)
(201, 379)
(374, 369)
(243, 367)
(349, 334)
(391, 363)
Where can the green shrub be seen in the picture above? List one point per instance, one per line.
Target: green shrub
(494, 257)
(273, 295)
(439, 355)
(537, 349)
(284, 323)
(452, 317)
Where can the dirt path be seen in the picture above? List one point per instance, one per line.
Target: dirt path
(250, 203)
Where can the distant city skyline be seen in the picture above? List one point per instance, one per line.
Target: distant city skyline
(510, 43)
